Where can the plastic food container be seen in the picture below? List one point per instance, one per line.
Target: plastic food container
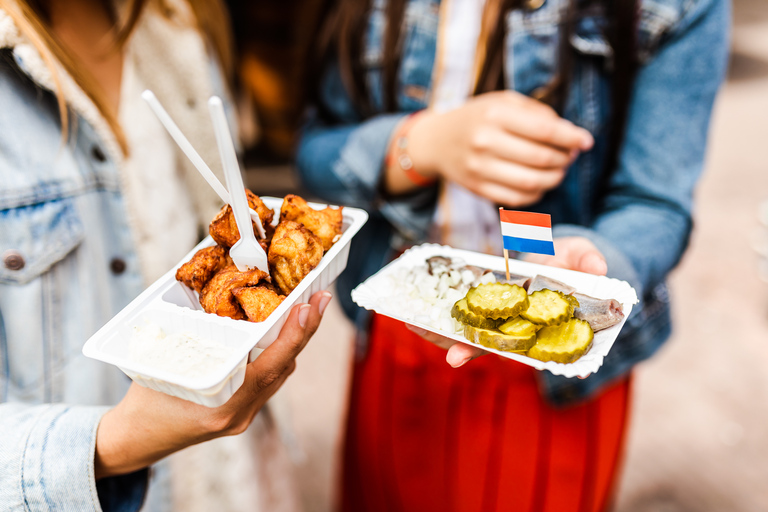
(176, 309)
(380, 293)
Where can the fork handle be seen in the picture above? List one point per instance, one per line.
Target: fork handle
(238, 199)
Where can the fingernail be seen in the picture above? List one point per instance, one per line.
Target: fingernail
(325, 301)
(587, 142)
(416, 330)
(303, 315)
(462, 363)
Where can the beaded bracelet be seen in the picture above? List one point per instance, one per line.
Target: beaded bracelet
(403, 159)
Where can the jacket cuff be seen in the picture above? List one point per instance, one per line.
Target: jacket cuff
(58, 463)
(360, 167)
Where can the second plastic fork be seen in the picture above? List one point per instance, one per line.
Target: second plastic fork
(246, 253)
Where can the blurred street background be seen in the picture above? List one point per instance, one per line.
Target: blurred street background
(697, 441)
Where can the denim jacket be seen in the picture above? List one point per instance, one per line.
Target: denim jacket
(642, 224)
(68, 262)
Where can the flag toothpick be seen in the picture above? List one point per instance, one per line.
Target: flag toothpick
(506, 262)
(526, 232)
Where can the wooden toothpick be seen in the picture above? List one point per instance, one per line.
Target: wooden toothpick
(506, 262)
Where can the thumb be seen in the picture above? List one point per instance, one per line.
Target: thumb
(278, 355)
(592, 262)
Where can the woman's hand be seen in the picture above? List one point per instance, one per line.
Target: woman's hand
(503, 146)
(148, 425)
(458, 353)
(573, 253)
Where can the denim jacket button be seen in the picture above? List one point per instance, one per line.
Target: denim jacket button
(534, 4)
(13, 260)
(98, 154)
(117, 266)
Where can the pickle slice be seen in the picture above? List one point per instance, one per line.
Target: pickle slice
(547, 307)
(498, 340)
(564, 343)
(519, 327)
(463, 314)
(497, 300)
(573, 301)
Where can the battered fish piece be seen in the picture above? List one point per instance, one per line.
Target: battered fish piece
(223, 228)
(294, 252)
(325, 223)
(217, 297)
(258, 302)
(204, 264)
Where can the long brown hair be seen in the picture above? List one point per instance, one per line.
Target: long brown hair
(342, 32)
(32, 19)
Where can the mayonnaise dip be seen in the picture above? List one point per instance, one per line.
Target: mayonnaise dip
(184, 354)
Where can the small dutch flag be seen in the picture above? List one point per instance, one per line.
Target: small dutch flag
(526, 232)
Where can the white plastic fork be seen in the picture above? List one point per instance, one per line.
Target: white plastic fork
(194, 156)
(246, 253)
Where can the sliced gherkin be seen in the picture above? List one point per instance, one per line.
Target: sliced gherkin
(547, 307)
(519, 327)
(573, 301)
(463, 314)
(497, 300)
(563, 343)
(492, 338)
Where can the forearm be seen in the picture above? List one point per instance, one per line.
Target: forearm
(145, 427)
(345, 164)
(47, 458)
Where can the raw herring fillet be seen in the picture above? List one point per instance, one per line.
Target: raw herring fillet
(541, 282)
(599, 313)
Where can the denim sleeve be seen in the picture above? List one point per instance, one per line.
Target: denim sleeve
(46, 461)
(344, 163)
(645, 223)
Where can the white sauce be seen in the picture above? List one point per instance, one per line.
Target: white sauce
(184, 354)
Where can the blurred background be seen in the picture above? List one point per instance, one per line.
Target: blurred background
(697, 441)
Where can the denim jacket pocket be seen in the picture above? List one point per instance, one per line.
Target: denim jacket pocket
(33, 238)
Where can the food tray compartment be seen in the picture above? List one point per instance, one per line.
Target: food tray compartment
(166, 296)
(377, 294)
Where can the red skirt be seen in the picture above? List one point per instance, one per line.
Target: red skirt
(422, 436)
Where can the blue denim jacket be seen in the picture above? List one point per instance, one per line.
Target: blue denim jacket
(63, 214)
(46, 196)
(643, 224)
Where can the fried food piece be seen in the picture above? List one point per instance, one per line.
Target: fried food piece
(217, 297)
(258, 302)
(293, 253)
(325, 223)
(223, 228)
(204, 264)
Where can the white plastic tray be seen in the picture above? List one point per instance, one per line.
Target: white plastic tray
(376, 294)
(178, 309)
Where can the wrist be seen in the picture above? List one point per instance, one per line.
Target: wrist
(421, 146)
(139, 432)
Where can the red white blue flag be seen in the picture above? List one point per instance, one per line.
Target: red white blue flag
(527, 231)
